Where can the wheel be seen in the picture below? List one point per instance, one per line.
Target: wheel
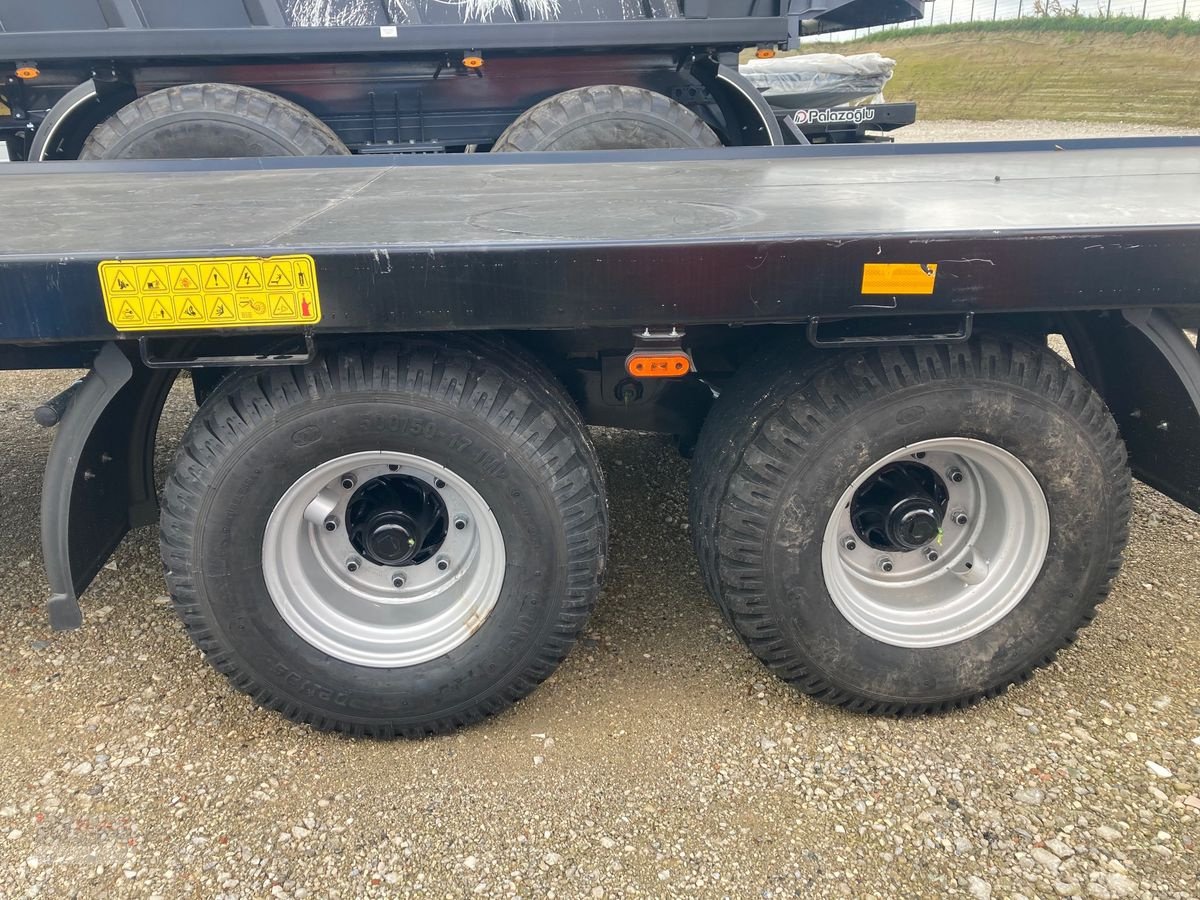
(902, 531)
(205, 121)
(396, 541)
(606, 117)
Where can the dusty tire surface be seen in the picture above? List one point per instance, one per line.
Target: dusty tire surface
(208, 121)
(480, 411)
(606, 117)
(779, 450)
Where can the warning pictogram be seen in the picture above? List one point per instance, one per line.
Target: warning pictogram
(120, 281)
(247, 276)
(283, 306)
(153, 279)
(210, 292)
(253, 308)
(184, 279)
(188, 309)
(128, 313)
(220, 308)
(214, 278)
(279, 277)
(157, 312)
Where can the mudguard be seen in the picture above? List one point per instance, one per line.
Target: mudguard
(99, 480)
(1148, 372)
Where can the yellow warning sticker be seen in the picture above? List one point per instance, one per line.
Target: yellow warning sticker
(899, 278)
(221, 292)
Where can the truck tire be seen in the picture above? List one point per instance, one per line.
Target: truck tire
(910, 530)
(389, 541)
(606, 117)
(208, 121)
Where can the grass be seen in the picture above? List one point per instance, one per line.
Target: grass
(1063, 69)
(1068, 24)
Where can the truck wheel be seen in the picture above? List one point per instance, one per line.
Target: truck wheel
(207, 121)
(910, 530)
(395, 541)
(606, 117)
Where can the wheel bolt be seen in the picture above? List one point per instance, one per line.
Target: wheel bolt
(443, 564)
(960, 518)
(849, 543)
(352, 565)
(885, 564)
(460, 523)
(931, 555)
(398, 581)
(955, 475)
(349, 481)
(331, 523)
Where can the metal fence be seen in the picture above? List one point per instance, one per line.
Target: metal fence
(947, 12)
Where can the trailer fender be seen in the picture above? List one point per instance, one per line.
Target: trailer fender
(99, 480)
(1148, 372)
(61, 118)
(737, 96)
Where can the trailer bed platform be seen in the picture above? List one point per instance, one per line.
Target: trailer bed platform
(575, 240)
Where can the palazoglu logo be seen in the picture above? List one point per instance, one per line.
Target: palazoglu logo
(855, 116)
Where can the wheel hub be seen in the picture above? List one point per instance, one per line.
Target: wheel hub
(900, 508)
(396, 520)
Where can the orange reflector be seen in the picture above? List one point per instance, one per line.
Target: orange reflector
(473, 62)
(28, 72)
(765, 53)
(658, 365)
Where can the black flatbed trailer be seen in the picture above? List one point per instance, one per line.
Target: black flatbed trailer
(819, 314)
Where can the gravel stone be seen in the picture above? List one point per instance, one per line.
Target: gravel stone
(978, 888)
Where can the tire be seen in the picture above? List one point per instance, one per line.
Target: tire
(775, 473)
(483, 413)
(606, 117)
(206, 121)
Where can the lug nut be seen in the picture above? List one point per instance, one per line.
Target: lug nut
(331, 523)
(349, 481)
(398, 581)
(960, 518)
(460, 523)
(443, 564)
(955, 475)
(885, 564)
(849, 543)
(931, 555)
(352, 565)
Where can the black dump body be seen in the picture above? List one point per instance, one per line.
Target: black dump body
(20, 17)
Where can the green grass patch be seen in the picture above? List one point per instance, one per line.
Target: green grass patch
(1063, 69)
(1068, 24)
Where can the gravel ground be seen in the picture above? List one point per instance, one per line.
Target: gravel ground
(661, 760)
(1024, 130)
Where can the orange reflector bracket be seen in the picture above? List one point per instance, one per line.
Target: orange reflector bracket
(765, 53)
(473, 60)
(28, 72)
(658, 364)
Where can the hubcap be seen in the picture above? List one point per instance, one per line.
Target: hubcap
(383, 559)
(936, 542)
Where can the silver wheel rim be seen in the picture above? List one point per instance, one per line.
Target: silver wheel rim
(360, 611)
(991, 549)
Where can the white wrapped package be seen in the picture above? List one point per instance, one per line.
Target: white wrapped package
(820, 79)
